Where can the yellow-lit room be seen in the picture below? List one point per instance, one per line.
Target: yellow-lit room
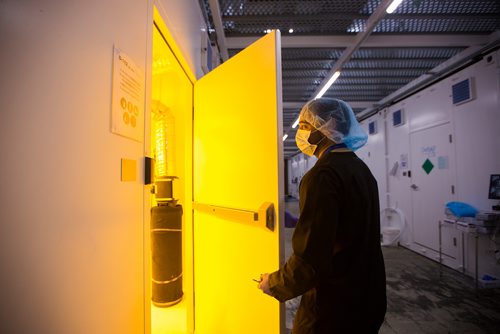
(171, 236)
(201, 143)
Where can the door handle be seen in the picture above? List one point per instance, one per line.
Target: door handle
(264, 215)
(414, 187)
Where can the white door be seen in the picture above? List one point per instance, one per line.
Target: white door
(432, 162)
(238, 168)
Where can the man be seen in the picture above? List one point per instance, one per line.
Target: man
(337, 264)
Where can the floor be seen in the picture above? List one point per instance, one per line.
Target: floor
(422, 297)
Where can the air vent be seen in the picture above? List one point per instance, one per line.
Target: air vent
(398, 118)
(372, 127)
(462, 92)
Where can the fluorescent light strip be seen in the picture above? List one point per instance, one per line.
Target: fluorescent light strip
(392, 7)
(294, 125)
(328, 84)
(285, 136)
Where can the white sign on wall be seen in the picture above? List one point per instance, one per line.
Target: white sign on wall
(403, 161)
(127, 107)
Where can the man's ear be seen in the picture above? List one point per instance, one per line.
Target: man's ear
(315, 137)
(334, 123)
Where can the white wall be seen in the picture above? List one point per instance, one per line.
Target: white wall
(474, 127)
(298, 166)
(426, 113)
(398, 152)
(477, 129)
(374, 154)
(71, 233)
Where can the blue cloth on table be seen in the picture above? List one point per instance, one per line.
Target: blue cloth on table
(460, 209)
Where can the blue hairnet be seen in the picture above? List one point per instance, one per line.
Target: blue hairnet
(335, 119)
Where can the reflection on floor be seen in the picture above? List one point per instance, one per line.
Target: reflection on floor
(419, 301)
(169, 320)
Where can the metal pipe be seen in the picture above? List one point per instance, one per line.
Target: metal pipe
(440, 253)
(219, 29)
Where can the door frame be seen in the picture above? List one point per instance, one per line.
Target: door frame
(156, 20)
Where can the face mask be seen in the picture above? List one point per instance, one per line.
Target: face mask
(302, 140)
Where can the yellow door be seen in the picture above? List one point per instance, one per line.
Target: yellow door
(237, 174)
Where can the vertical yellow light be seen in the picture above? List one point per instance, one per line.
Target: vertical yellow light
(163, 132)
(160, 132)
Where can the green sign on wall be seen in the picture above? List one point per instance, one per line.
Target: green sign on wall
(427, 166)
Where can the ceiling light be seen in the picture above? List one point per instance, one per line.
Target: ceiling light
(285, 136)
(392, 7)
(328, 84)
(294, 125)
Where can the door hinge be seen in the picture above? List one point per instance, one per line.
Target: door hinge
(451, 138)
(453, 190)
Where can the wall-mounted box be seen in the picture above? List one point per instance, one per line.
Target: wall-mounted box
(398, 118)
(372, 127)
(462, 91)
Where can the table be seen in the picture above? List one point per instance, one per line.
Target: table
(453, 223)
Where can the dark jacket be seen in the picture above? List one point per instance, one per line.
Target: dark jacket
(337, 265)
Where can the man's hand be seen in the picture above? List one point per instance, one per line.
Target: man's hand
(264, 284)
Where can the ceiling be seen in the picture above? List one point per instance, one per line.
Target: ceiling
(382, 57)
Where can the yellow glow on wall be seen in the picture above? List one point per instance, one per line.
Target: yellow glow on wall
(161, 65)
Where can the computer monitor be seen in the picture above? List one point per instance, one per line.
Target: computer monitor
(494, 192)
